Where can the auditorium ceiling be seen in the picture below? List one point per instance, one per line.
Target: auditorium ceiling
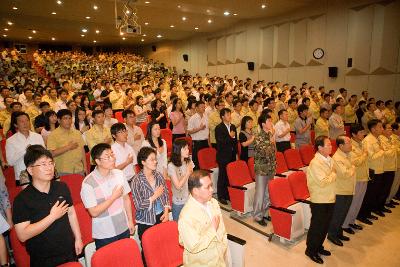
(66, 21)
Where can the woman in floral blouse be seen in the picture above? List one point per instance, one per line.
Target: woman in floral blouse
(264, 166)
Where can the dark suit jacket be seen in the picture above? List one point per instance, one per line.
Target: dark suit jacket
(226, 145)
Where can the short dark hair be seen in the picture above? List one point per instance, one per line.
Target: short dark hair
(176, 152)
(395, 126)
(13, 121)
(301, 108)
(15, 104)
(372, 123)
(194, 179)
(224, 111)
(43, 104)
(143, 154)
(379, 102)
(263, 118)
(322, 110)
(35, 152)
(320, 141)
(355, 128)
(280, 112)
(95, 112)
(116, 127)
(340, 140)
(127, 112)
(98, 149)
(63, 112)
(335, 106)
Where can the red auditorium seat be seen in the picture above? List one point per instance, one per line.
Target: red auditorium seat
(88, 162)
(118, 116)
(250, 164)
(334, 146)
(121, 253)
(312, 135)
(85, 223)
(208, 161)
(21, 256)
(162, 237)
(168, 183)
(143, 126)
(74, 183)
(9, 175)
(286, 213)
(307, 154)
(71, 264)
(241, 187)
(3, 148)
(281, 167)
(166, 134)
(298, 185)
(347, 131)
(293, 159)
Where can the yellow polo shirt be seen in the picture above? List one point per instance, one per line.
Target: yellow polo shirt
(360, 160)
(345, 173)
(314, 109)
(321, 180)
(292, 114)
(117, 100)
(254, 116)
(213, 120)
(375, 153)
(390, 156)
(97, 135)
(350, 114)
(33, 112)
(72, 160)
(321, 127)
(4, 115)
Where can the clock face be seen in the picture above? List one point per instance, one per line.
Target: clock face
(318, 53)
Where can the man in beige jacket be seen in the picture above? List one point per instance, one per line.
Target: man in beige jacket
(321, 182)
(201, 229)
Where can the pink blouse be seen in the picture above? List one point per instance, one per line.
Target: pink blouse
(180, 127)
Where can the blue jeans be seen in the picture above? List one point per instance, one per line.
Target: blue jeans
(105, 241)
(176, 210)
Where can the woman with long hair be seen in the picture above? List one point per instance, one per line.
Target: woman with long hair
(153, 140)
(177, 117)
(140, 110)
(158, 113)
(179, 170)
(81, 121)
(129, 101)
(51, 125)
(246, 138)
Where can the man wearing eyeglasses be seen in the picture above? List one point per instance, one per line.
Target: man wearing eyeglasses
(43, 214)
(105, 195)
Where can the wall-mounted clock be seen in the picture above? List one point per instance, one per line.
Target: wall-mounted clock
(318, 53)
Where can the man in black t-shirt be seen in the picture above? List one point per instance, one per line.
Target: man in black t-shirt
(43, 214)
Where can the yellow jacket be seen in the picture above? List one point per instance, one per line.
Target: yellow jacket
(396, 141)
(345, 173)
(350, 114)
(375, 153)
(359, 157)
(254, 116)
(292, 114)
(321, 127)
(213, 120)
(314, 108)
(390, 156)
(321, 180)
(203, 245)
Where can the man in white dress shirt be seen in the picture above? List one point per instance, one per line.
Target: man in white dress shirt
(135, 133)
(282, 131)
(198, 130)
(16, 145)
(336, 124)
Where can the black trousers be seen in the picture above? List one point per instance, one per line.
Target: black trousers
(196, 146)
(387, 181)
(370, 199)
(321, 214)
(342, 206)
(52, 261)
(282, 146)
(174, 136)
(223, 182)
(143, 227)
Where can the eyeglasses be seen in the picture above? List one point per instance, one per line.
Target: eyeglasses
(108, 157)
(48, 164)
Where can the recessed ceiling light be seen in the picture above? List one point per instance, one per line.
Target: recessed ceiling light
(179, 6)
(30, 37)
(95, 7)
(82, 35)
(97, 31)
(144, 35)
(53, 39)
(226, 13)
(84, 30)
(263, 6)
(209, 21)
(15, 8)
(146, 23)
(171, 26)
(33, 31)
(142, 40)
(208, 11)
(87, 17)
(59, 2)
(121, 33)
(9, 23)
(184, 18)
(123, 38)
(128, 11)
(147, 2)
(94, 41)
(53, 13)
(159, 36)
(196, 28)
(4, 35)
(235, 14)
(5, 29)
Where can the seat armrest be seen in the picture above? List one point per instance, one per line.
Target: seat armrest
(280, 175)
(304, 201)
(238, 187)
(295, 170)
(283, 209)
(236, 239)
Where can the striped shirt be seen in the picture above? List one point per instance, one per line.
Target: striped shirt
(142, 191)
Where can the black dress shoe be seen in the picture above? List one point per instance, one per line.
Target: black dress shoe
(324, 252)
(366, 221)
(356, 226)
(390, 205)
(349, 230)
(335, 241)
(379, 213)
(268, 218)
(344, 238)
(386, 210)
(396, 198)
(262, 222)
(315, 258)
(223, 201)
(372, 217)
(395, 203)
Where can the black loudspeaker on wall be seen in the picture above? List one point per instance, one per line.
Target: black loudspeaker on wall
(154, 48)
(185, 57)
(332, 72)
(250, 65)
